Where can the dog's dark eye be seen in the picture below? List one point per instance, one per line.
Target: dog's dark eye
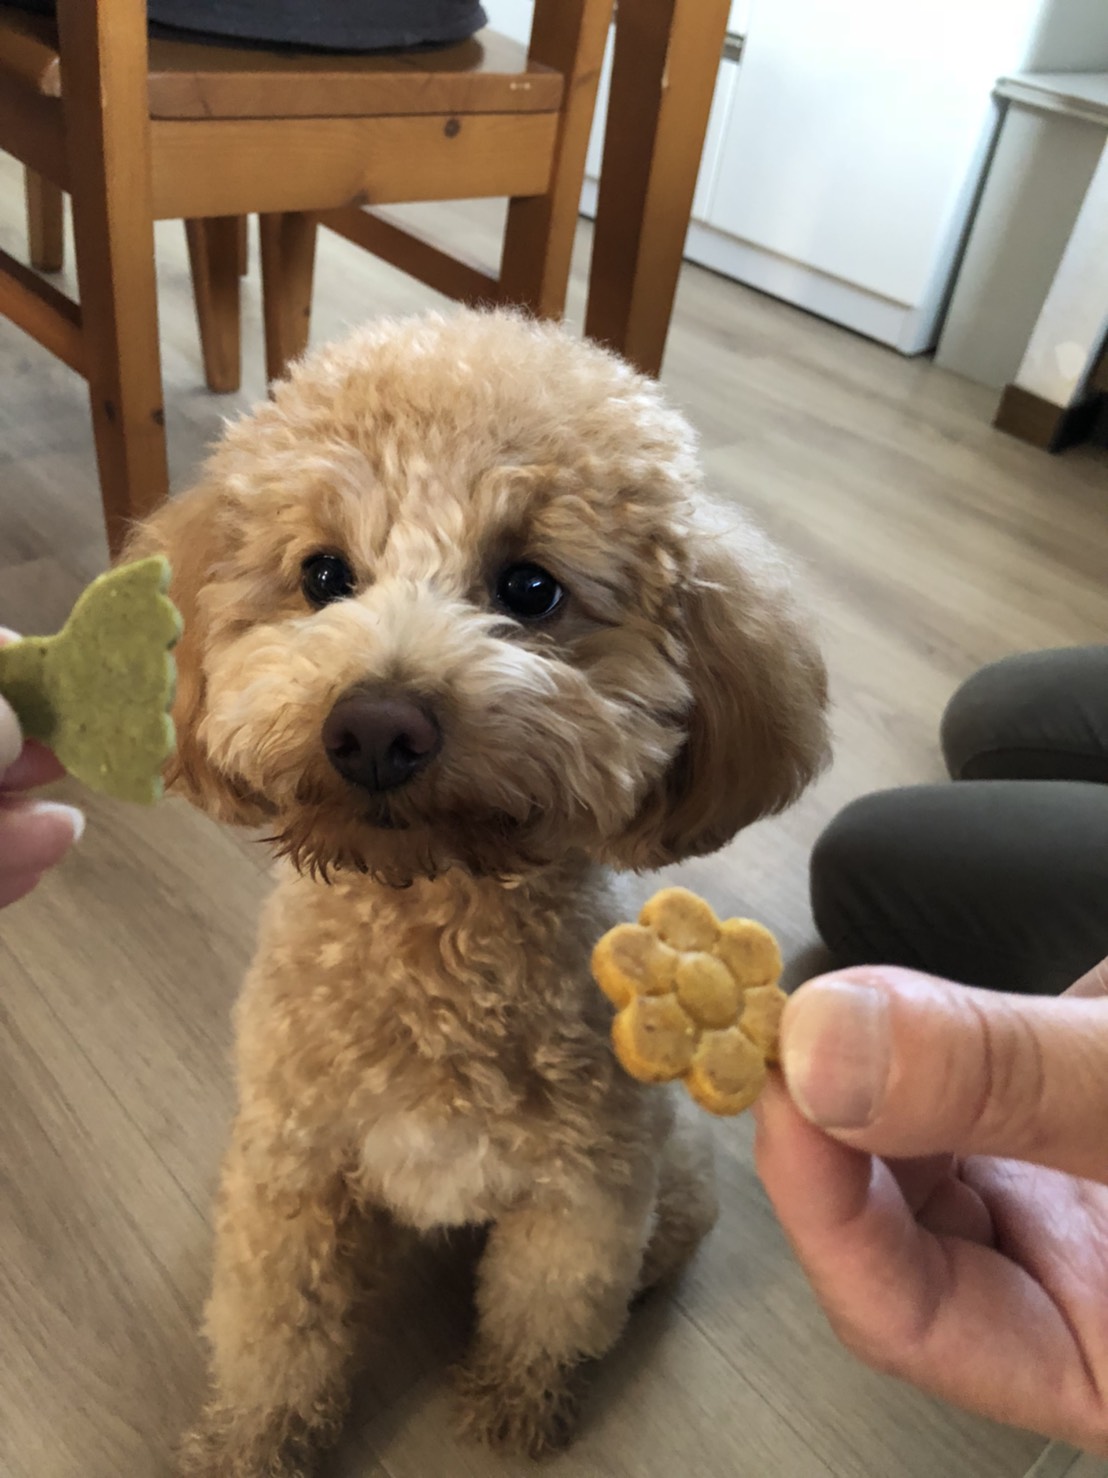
(529, 592)
(326, 577)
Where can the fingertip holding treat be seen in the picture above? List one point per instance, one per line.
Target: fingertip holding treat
(34, 835)
(835, 1049)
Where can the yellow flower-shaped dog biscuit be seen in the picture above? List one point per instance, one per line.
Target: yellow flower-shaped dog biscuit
(695, 999)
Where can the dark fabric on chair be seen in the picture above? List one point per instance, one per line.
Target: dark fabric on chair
(330, 25)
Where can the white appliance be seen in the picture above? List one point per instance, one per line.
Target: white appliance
(848, 140)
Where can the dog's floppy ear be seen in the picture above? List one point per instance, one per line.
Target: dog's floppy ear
(757, 730)
(188, 531)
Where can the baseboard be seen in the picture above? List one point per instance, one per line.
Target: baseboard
(1052, 427)
(853, 307)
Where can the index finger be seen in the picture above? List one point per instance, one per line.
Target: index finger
(1093, 983)
(918, 1305)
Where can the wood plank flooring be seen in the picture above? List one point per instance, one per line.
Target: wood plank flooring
(932, 544)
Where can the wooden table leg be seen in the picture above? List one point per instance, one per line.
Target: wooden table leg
(214, 255)
(568, 35)
(667, 55)
(104, 64)
(45, 223)
(288, 267)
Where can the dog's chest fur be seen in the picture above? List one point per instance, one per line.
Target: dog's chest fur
(437, 1171)
(457, 1026)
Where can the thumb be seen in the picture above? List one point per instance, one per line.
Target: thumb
(902, 1065)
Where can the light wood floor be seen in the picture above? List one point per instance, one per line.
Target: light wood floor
(933, 544)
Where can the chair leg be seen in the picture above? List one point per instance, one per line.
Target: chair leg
(113, 228)
(568, 35)
(288, 265)
(666, 58)
(45, 229)
(214, 257)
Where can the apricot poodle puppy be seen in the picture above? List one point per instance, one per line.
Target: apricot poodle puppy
(464, 633)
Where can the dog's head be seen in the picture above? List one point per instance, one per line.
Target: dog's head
(455, 597)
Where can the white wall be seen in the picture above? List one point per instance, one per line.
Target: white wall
(510, 17)
(1069, 36)
(845, 150)
(854, 129)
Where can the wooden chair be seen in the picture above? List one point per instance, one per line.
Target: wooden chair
(138, 131)
(666, 57)
(665, 61)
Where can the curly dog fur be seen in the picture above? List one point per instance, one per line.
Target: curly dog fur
(418, 1037)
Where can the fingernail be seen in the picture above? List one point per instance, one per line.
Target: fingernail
(835, 1052)
(74, 818)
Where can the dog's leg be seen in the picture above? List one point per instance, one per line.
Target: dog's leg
(292, 1258)
(687, 1205)
(554, 1287)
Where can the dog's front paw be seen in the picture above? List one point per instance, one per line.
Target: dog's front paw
(531, 1410)
(224, 1444)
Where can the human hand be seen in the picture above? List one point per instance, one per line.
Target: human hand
(983, 1280)
(34, 835)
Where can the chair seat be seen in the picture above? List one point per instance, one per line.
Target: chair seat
(486, 74)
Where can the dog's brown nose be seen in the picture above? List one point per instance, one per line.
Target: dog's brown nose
(379, 741)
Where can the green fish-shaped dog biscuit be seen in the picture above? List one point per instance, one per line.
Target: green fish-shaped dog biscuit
(98, 694)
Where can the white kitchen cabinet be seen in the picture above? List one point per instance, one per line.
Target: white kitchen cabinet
(854, 143)
(1053, 137)
(710, 159)
(715, 139)
(596, 138)
(738, 20)
(846, 146)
